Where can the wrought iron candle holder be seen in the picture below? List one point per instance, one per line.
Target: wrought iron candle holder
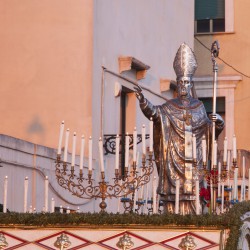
(213, 176)
(86, 188)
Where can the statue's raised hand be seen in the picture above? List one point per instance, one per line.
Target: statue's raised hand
(138, 93)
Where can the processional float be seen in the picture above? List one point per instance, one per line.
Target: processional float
(84, 186)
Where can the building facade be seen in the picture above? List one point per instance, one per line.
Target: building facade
(52, 69)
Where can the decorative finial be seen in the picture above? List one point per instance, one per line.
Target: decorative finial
(187, 243)
(3, 242)
(125, 242)
(62, 242)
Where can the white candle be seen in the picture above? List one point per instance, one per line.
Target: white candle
(137, 158)
(73, 150)
(225, 150)
(248, 197)
(52, 205)
(235, 189)
(234, 147)
(119, 200)
(222, 197)
(46, 194)
(219, 174)
(204, 149)
(197, 196)
(230, 193)
(82, 152)
(151, 135)
(154, 195)
(117, 151)
(128, 168)
(68, 210)
(142, 187)
(211, 194)
(177, 195)
(228, 164)
(243, 179)
(194, 147)
(101, 154)
(26, 183)
(215, 153)
(5, 188)
(143, 134)
(66, 146)
(146, 200)
(60, 138)
(241, 191)
(118, 204)
(135, 199)
(134, 144)
(157, 202)
(90, 153)
(52, 210)
(126, 150)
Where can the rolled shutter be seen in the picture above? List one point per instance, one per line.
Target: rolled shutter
(209, 9)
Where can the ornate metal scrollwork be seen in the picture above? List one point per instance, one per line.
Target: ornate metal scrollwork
(109, 142)
(86, 188)
(125, 242)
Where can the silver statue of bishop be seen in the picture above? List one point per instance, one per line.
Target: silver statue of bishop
(175, 122)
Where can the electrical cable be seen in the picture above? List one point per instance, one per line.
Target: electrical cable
(222, 59)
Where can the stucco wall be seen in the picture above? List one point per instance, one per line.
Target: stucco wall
(51, 58)
(20, 159)
(235, 51)
(150, 31)
(45, 68)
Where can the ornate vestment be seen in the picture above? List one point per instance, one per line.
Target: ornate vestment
(174, 125)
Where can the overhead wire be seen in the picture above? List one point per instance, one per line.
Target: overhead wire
(221, 58)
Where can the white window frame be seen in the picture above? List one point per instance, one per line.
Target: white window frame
(229, 15)
(226, 86)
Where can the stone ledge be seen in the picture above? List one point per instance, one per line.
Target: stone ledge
(128, 63)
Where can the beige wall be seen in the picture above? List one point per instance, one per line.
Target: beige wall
(235, 50)
(45, 68)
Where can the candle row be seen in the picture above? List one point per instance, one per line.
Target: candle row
(177, 196)
(135, 143)
(59, 151)
(225, 144)
(25, 199)
(232, 187)
(65, 156)
(143, 197)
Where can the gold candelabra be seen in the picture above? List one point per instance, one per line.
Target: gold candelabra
(86, 188)
(213, 176)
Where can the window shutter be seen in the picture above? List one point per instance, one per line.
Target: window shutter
(209, 9)
(208, 103)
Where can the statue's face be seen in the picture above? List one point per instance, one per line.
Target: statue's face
(184, 87)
